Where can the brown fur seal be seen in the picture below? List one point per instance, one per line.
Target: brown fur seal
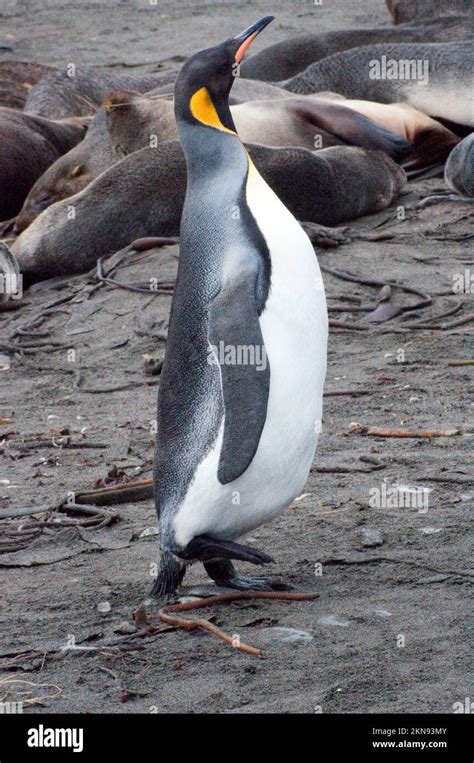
(286, 58)
(17, 79)
(312, 122)
(28, 146)
(60, 95)
(143, 195)
(70, 173)
(430, 140)
(416, 10)
(458, 176)
(434, 78)
(136, 121)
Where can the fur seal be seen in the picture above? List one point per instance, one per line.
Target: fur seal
(28, 146)
(145, 193)
(417, 10)
(432, 77)
(71, 172)
(133, 120)
(247, 277)
(60, 95)
(129, 122)
(289, 57)
(17, 79)
(431, 142)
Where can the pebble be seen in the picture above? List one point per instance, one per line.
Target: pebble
(104, 607)
(125, 627)
(150, 531)
(371, 538)
(286, 635)
(430, 530)
(333, 620)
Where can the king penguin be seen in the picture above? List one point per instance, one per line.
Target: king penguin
(240, 397)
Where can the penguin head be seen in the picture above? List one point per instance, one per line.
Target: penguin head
(201, 93)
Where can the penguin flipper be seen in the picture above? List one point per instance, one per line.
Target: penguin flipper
(236, 338)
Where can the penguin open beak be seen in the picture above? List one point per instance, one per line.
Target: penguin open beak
(246, 37)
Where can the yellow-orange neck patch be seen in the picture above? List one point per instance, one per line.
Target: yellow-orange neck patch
(203, 109)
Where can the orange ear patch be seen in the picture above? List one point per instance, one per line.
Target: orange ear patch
(203, 109)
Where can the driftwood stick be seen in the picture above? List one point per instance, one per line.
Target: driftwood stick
(348, 392)
(131, 491)
(425, 301)
(333, 323)
(424, 434)
(166, 614)
(9, 513)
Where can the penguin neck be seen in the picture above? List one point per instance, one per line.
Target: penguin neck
(210, 152)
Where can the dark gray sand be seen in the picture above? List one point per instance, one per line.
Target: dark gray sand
(388, 632)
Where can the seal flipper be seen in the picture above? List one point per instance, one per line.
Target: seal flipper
(351, 127)
(431, 148)
(234, 327)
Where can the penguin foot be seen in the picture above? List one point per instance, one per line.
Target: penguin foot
(223, 573)
(203, 548)
(169, 577)
(255, 583)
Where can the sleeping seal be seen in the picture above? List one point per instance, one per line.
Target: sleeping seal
(60, 95)
(286, 58)
(28, 146)
(71, 172)
(17, 78)
(129, 122)
(434, 78)
(428, 10)
(305, 122)
(144, 193)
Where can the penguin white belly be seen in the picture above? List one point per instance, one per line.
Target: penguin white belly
(294, 328)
